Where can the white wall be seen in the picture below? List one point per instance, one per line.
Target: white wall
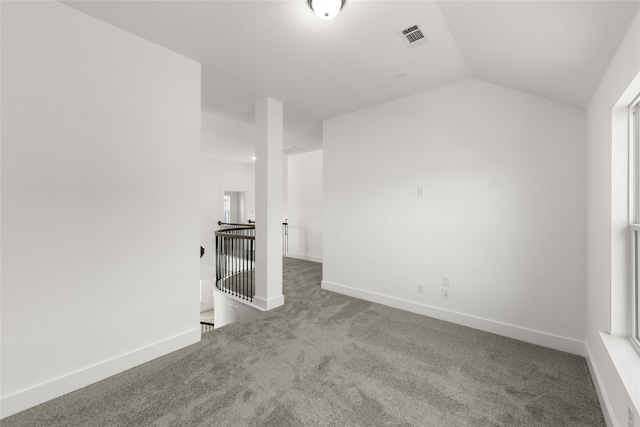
(304, 206)
(611, 356)
(502, 214)
(100, 145)
(216, 177)
(229, 309)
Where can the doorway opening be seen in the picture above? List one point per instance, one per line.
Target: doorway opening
(233, 207)
(233, 211)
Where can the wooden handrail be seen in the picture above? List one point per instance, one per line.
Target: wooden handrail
(231, 229)
(223, 233)
(250, 225)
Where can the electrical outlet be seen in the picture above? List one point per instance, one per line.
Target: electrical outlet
(445, 281)
(445, 293)
(420, 289)
(420, 192)
(630, 416)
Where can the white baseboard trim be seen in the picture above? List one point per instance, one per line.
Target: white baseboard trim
(268, 304)
(532, 336)
(602, 395)
(304, 257)
(43, 392)
(235, 301)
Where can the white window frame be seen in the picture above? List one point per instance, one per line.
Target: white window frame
(634, 223)
(226, 208)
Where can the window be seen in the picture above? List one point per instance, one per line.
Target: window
(227, 208)
(634, 151)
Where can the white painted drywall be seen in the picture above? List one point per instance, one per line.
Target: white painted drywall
(269, 203)
(100, 165)
(216, 177)
(607, 238)
(502, 214)
(305, 206)
(228, 309)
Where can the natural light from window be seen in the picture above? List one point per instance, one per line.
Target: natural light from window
(634, 133)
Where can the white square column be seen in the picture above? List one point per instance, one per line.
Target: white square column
(269, 134)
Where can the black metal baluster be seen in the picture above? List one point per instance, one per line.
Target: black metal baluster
(253, 266)
(226, 263)
(217, 261)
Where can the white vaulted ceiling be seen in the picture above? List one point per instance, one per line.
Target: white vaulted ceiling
(321, 69)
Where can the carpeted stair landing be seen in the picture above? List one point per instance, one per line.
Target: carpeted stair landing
(325, 359)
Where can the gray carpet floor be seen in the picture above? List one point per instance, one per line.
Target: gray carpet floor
(325, 359)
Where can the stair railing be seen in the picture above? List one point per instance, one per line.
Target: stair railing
(235, 259)
(236, 255)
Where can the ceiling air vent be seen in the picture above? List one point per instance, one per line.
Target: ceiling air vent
(414, 35)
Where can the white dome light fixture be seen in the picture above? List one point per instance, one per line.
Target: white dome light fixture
(326, 9)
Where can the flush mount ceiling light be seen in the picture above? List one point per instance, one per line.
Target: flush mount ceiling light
(326, 9)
